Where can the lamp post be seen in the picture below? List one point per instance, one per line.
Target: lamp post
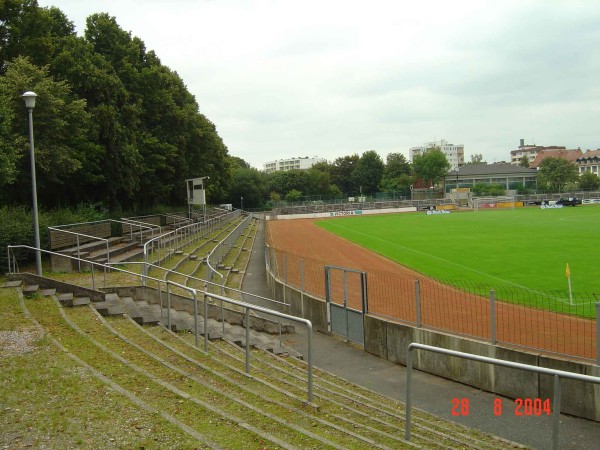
(29, 98)
(242, 203)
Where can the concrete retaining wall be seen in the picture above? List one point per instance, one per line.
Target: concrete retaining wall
(180, 303)
(390, 340)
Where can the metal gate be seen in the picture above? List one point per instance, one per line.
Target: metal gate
(346, 296)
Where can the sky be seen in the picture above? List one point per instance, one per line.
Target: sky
(328, 78)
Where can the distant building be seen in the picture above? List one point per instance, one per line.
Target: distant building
(455, 154)
(563, 153)
(589, 162)
(509, 176)
(532, 151)
(292, 164)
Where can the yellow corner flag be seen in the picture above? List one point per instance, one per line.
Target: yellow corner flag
(568, 271)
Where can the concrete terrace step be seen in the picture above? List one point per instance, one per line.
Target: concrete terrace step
(69, 300)
(111, 306)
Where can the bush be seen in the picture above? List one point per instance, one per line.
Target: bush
(16, 227)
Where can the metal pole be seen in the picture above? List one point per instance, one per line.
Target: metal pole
(168, 306)
(247, 312)
(493, 315)
(556, 412)
(36, 225)
(301, 275)
(196, 318)
(310, 363)
(205, 320)
(408, 394)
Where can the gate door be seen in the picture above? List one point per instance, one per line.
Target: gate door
(346, 296)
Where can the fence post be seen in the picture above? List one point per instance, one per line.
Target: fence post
(301, 274)
(493, 316)
(556, 412)
(418, 302)
(284, 277)
(196, 317)
(247, 311)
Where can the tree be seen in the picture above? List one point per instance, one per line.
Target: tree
(589, 181)
(63, 133)
(9, 156)
(293, 196)
(342, 173)
(476, 158)
(396, 165)
(397, 174)
(557, 172)
(432, 166)
(524, 161)
(368, 172)
(248, 183)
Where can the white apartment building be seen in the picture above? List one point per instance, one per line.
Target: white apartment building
(292, 164)
(455, 154)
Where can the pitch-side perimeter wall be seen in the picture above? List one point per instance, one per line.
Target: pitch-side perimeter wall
(388, 339)
(356, 212)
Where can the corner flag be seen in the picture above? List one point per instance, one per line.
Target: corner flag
(568, 271)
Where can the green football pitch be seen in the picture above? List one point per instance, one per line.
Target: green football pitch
(521, 248)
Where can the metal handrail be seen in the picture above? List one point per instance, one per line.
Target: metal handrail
(247, 307)
(498, 362)
(87, 236)
(191, 277)
(174, 233)
(241, 225)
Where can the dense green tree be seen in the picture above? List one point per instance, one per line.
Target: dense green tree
(28, 30)
(431, 167)
(368, 172)
(62, 132)
(342, 171)
(317, 181)
(9, 154)
(293, 196)
(589, 181)
(117, 126)
(396, 165)
(283, 182)
(250, 184)
(557, 172)
(397, 174)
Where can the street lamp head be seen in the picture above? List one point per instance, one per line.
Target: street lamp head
(29, 98)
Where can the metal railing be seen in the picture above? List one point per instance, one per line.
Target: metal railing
(247, 308)
(162, 246)
(220, 251)
(557, 374)
(13, 268)
(90, 238)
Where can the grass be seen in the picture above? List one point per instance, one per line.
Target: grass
(48, 398)
(522, 248)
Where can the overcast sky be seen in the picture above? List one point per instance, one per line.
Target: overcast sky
(328, 78)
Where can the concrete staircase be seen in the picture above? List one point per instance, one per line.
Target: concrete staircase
(226, 407)
(111, 304)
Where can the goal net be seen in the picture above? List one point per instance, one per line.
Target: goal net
(480, 203)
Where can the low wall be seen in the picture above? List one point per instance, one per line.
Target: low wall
(356, 212)
(388, 339)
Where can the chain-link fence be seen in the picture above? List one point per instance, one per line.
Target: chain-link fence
(546, 321)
